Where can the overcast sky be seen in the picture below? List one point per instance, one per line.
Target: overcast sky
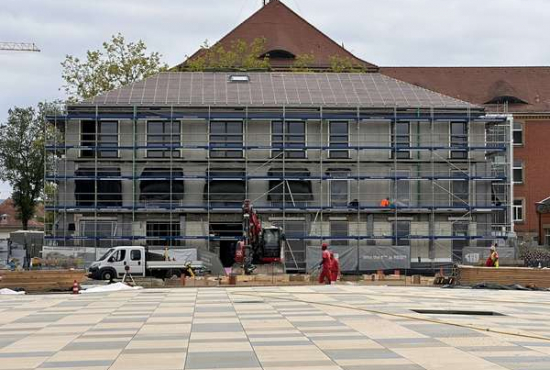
(384, 32)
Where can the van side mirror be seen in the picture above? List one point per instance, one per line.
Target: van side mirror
(111, 259)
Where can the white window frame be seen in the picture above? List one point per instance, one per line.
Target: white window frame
(280, 155)
(522, 168)
(160, 149)
(520, 129)
(329, 143)
(520, 207)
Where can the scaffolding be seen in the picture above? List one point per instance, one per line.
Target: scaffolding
(175, 177)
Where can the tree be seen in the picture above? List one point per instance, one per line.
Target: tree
(340, 64)
(118, 64)
(303, 63)
(241, 56)
(22, 156)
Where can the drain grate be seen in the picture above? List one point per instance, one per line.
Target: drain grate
(458, 312)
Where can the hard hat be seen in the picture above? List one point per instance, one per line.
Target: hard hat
(324, 245)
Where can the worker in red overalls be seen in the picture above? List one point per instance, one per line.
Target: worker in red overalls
(326, 263)
(334, 267)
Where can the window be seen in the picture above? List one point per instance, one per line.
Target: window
(459, 140)
(163, 233)
(400, 138)
(459, 190)
(292, 187)
(135, 255)
(100, 189)
(517, 133)
(226, 139)
(339, 191)
(339, 229)
(291, 140)
(517, 208)
(339, 138)
(518, 172)
(161, 186)
(120, 255)
(401, 232)
(225, 187)
(163, 134)
(106, 136)
(403, 196)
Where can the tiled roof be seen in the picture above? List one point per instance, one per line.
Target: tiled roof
(9, 219)
(285, 30)
(479, 85)
(273, 89)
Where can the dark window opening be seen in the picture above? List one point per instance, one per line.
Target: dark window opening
(517, 171)
(459, 192)
(106, 136)
(163, 233)
(279, 54)
(135, 255)
(459, 140)
(163, 134)
(162, 187)
(400, 138)
(506, 99)
(225, 188)
(339, 138)
(339, 230)
(226, 139)
(295, 192)
(517, 133)
(401, 231)
(290, 138)
(105, 185)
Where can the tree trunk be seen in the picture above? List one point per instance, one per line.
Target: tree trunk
(25, 223)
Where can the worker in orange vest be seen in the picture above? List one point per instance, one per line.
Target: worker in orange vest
(385, 202)
(326, 264)
(334, 267)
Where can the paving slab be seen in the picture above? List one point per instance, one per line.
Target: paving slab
(340, 327)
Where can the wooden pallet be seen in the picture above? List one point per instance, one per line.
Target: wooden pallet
(529, 277)
(41, 280)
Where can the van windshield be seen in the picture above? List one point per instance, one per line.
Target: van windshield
(106, 254)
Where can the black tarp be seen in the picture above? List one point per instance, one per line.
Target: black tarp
(159, 189)
(295, 190)
(226, 186)
(109, 191)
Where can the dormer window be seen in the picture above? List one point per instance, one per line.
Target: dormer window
(279, 54)
(506, 99)
(239, 78)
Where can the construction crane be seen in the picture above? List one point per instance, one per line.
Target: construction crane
(19, 46)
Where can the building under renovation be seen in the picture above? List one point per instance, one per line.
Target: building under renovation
(168, 161)
(390, 174)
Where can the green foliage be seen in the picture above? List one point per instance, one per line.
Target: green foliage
(303, 63)
(340, 64)
(241, 56)
(22, 156)
(118, 64)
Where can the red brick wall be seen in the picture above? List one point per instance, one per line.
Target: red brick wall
(535, 154)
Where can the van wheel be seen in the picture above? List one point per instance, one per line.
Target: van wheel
(107, 275)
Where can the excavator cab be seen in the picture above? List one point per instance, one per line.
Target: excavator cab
(272, 238)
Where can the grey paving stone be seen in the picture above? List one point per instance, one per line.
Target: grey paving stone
(444, 331)
(285, 343)
(152, 350)
(75, 364)
(217, 327)
(211, 360)
(98, 345)
(26, 354)
(297, 364)
(410, 342)
(353, 354)
(384, 367)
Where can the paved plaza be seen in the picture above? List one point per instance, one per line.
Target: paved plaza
(321, 327)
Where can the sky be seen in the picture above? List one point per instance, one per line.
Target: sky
(384, 32)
